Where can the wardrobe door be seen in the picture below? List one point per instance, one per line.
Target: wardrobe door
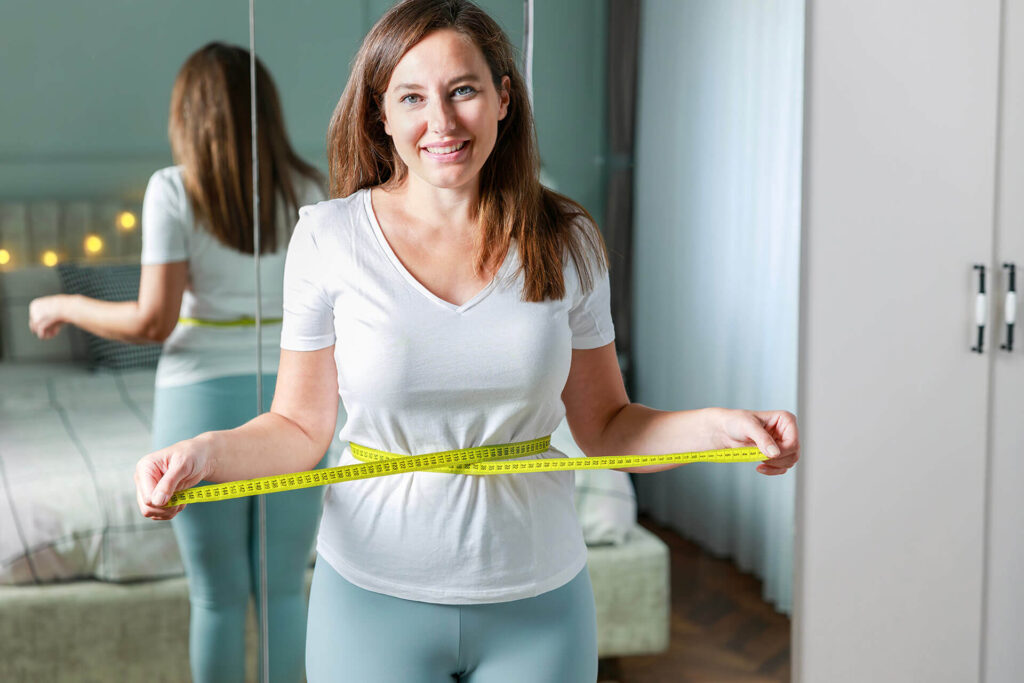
(899, 180)
(1004, 604)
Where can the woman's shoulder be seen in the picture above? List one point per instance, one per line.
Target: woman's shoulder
(166, 196)
(334, 208)
(334, 216)
(167, 180)
(168, 177)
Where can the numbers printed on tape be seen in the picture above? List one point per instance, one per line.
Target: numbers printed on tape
(482, 460)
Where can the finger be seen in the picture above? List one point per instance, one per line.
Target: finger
(159, 513)
(789, 434)
(154, 513)
(786, 460)
(168, 484)
(165, 514)
(147, 474)
(143, 508)
(783, 425)
(764, 441)
(770, 471)
(142, 500)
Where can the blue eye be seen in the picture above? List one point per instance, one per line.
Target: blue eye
(403, 99)
(470, 88)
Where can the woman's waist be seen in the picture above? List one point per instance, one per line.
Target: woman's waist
(367, 444)
(228, 307)
(238, 341)
(493, 458)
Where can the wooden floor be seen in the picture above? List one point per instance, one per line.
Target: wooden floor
(721, 629)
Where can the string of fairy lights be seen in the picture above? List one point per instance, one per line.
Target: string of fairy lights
(93, 245)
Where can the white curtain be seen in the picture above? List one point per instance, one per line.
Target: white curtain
(716, 264)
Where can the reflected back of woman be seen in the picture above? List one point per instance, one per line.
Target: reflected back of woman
(197, 297)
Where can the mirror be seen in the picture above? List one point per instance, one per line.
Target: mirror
(84, 129)
(676, 184)
(703, 154)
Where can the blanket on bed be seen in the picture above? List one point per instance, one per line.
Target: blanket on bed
(69, 441)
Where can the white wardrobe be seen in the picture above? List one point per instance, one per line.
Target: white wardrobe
(910, 521)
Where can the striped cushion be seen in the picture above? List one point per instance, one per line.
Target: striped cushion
(109, 283)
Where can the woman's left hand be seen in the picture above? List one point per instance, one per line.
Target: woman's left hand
(774, 432)
(45, 315)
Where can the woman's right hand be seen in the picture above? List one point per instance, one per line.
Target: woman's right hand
(162, 473)
(46, 315)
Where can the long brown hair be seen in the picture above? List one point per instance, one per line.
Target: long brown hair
(512, 203)
(210, 128)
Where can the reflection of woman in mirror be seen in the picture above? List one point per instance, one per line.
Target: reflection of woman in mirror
(453, 302)
(197, 265)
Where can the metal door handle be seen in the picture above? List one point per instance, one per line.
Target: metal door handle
(980, 309)
(1010, 309)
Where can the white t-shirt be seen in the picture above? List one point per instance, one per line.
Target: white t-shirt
(222, 286)
(418, 374)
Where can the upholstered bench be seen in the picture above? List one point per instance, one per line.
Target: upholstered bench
(100, 631)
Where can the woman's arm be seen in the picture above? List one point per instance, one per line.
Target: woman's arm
(148, 320)
(292, 437)
(604, 421)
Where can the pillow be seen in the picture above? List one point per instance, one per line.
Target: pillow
(109, 283)
(18, 287)
(605, 500)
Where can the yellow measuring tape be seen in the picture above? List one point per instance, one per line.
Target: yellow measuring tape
(237, 322)
(479, 460)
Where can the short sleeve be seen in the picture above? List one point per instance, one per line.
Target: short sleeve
(308, 323)
(590, 316)
(164, 219)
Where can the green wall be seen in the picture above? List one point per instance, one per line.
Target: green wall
(86, 88)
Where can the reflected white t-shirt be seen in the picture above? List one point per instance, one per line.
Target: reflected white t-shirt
(221, 285)
(416, 375)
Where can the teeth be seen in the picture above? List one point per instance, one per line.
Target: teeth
(446, 150)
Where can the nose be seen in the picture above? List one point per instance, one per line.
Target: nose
(441, 115)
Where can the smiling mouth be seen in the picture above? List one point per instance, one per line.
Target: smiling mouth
(447, 149)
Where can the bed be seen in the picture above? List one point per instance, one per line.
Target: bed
(90, 590)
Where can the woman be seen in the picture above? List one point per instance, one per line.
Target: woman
(197, 265)
(452, 302)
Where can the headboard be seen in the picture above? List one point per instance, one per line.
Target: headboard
(34, 237)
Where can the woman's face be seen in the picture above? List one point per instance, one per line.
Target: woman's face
(441, 110)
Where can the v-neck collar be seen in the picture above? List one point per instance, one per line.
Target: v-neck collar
(416, 284)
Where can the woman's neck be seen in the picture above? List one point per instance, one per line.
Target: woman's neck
(450, 212)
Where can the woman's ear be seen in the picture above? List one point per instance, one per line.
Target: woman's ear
(504, 97)
(384, 116)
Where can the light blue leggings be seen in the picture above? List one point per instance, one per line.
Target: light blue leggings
(219, 542)
(358, 635)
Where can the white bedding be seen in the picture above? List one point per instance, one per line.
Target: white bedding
(69, 441)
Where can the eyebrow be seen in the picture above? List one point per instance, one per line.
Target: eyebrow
(415, 86)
